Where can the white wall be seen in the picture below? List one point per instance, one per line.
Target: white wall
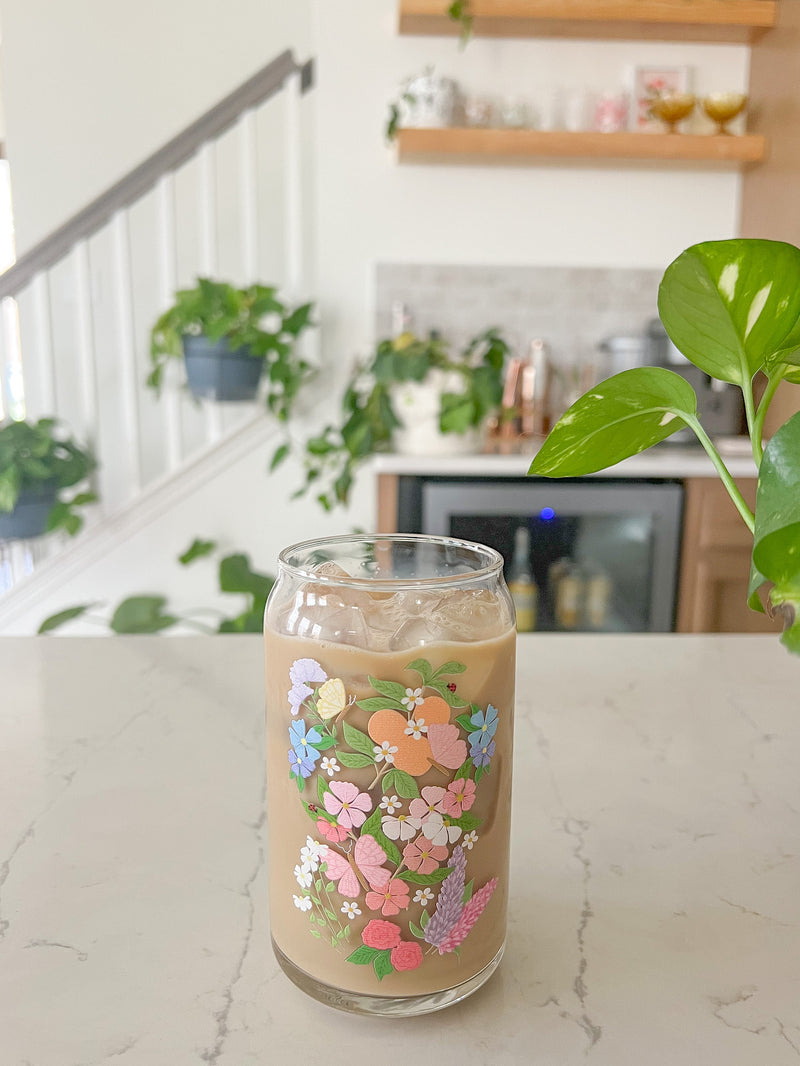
(91, 88)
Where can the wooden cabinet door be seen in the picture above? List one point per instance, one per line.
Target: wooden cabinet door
(715, 563)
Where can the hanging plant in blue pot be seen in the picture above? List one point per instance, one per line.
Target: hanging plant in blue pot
(229, 339)
(39, 463)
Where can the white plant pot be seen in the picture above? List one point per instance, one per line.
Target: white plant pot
(417, 406)
(432, 103)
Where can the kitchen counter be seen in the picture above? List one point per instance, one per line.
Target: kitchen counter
(655, 914)
(664, 461)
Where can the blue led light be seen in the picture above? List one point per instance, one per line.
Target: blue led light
(547, 513)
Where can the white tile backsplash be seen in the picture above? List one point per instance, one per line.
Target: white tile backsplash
(572, 309)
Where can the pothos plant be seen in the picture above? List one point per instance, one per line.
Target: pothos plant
(368, 416)
(149, 613)
(460, 11)
(35, 456)
(733, 309)
(254, 318)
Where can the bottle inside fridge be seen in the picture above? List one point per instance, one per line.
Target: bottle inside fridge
(521, 582)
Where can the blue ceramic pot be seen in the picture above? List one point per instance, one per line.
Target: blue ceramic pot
(215, 371)
(29, 517)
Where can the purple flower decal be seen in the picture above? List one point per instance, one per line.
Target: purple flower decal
(482, 752)
(306, 670)
(449, 906)
(301, 764)
(301, 672)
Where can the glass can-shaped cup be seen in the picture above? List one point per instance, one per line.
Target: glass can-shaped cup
(390, 696)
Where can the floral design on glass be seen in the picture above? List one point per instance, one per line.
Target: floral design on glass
(390, 846)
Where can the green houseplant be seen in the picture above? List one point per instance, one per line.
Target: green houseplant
(38, 463)
(733, 308)
(468, 389)
(229, 338)
(150, 613)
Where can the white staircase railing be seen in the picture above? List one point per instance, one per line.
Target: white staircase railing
(221, 199)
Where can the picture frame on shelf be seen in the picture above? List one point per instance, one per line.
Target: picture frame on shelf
(648, 82)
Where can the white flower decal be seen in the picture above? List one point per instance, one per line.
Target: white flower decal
(303, 876)
(303, 903)
(423, 896)
(390, 804)
(329, 766)
(470, 840)
(412, 698)
(385, 752)
(352, 910)
(415, 728)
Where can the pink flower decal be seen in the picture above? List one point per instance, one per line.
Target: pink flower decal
(381, 935)
(459, 797)
(349, 806)
(392, 899)
(407, 955)
(430, 801)
(335, 833)
(424, 857)
(447, 747)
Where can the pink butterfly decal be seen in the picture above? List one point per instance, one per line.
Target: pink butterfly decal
(367, 859)
(446, 746)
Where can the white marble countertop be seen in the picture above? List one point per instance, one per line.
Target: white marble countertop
(666, 461)
(655, 913)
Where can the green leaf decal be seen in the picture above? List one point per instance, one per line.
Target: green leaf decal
(423, 668)
(354, 760)
(468, 889)
(323, 743)
(363, 955)
(424, 879)
(730, 306)
(322, 788)
(466, 822)
(424, 918)
(405, 785)
(465, 723)
(616, 419)
(450, 668)
(416, 931)
(358, 740)
(450, 697)
(391, 689)
(380, 703)
(382, 964)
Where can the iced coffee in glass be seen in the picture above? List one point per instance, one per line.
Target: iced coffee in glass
(390, 697)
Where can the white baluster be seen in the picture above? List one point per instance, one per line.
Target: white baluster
(294, 188)
(208, 255)
(126, 350)
(248, 195)
(168, 282)
(45, 376)
(5, 372)
(12, 374)
(87, 356)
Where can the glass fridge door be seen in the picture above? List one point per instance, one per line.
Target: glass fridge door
(603, 554)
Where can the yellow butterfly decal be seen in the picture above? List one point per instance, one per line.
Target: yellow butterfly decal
(331, 698)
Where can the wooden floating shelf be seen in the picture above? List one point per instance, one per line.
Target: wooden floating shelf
(728, 21)
(504, 146)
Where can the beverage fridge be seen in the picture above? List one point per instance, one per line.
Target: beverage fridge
(603, 554)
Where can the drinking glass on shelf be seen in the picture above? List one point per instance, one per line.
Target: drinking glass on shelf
(390, 685)
(722, 108)
(673, 108)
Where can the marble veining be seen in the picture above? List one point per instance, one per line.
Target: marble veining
(655, 916)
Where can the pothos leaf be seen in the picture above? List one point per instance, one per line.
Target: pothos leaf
(616, 419)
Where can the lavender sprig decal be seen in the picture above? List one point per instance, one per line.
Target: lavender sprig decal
(448, 907)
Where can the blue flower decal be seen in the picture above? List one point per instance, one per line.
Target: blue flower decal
(485, 723)
(303, 742)
(301, 765)
(482, 752)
